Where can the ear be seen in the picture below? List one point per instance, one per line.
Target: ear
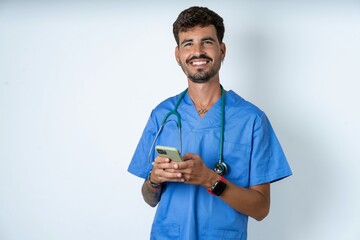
(177, 54)
(223, 51)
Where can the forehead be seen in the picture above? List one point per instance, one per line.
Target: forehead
(198, 32)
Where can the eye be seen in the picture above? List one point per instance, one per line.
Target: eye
(208, 42)
(187, 44)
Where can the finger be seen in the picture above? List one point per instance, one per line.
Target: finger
(161, 160)
(166, 176)
(164, 166)
(176, 166)
(189, 156)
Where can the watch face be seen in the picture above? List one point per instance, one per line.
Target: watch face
(219, 188)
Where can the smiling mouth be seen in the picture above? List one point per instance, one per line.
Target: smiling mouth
(199, 62)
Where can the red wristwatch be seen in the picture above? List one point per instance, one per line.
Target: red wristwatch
(219, 187)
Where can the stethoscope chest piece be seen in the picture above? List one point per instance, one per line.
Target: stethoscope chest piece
(221, 168)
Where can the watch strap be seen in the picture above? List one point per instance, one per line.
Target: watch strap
(152, 184)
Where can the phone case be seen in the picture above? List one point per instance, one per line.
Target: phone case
(169, 152)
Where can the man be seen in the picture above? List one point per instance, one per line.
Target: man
(194, 200)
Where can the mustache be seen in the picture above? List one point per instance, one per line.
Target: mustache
(201, 56)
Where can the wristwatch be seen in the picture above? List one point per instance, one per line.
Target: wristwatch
(218, 188)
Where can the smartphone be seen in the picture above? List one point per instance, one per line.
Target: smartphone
(169, 152)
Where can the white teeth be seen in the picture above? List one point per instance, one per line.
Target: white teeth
(199, 63)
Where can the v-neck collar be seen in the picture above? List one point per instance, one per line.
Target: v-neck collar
(210, 120)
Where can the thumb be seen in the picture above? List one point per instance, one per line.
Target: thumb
(188, 156)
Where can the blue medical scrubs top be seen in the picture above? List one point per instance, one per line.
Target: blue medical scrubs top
(251, 151)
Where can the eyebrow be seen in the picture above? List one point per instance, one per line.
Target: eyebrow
(191, 40)
(208, 38)
(186, 41)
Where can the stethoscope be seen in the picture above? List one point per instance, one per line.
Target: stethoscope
(220, 167)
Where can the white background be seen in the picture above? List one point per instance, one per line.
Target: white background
(78, 80)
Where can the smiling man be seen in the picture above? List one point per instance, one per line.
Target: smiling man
(205, 64)
(231, 155)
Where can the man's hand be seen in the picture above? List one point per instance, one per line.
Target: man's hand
(164, 170)
(192, 171)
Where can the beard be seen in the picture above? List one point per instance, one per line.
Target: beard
(201, 76)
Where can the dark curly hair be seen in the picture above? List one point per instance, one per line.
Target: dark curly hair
(198, 16)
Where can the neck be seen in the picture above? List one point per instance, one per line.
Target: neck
(204, 95)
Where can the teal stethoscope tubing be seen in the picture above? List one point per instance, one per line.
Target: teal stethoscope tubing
(178, 123)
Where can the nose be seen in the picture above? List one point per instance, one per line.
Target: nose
(198, 49)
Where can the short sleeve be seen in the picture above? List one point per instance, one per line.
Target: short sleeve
(140, 164)
(268, 161)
